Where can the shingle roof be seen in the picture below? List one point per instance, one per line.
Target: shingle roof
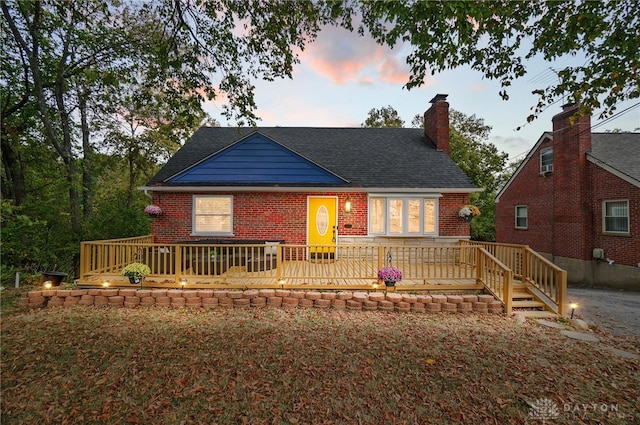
(620, 151)
(366, 157)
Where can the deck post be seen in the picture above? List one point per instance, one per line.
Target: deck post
(84, 258)
(508, 291)
(524, 254)
(479, 262)
(279, 258)
(178, 264)
(561, 292)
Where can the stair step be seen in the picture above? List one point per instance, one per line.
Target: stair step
(527, 304)
(536, 314)
(521, 295)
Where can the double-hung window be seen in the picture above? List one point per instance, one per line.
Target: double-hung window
(615, 217)
(403, 215)
(521, 216)
(546, 160)
(212, 215)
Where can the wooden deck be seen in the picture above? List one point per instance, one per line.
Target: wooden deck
(318, 275)
(468, 266)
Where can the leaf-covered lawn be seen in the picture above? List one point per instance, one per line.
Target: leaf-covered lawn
(304, 366)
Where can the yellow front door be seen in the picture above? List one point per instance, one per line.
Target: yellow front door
(322, 227)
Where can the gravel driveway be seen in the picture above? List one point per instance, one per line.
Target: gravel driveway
(617, 312)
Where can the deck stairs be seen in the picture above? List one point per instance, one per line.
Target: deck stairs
(526, 303)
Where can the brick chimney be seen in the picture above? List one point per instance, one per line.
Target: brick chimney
(572, 133)
(571, 221)
(436, 123)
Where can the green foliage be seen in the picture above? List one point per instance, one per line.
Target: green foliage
(136, 270)
(383, 117)
(496, 38)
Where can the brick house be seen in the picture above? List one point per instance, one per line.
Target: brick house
(314, 185)
(575, 198)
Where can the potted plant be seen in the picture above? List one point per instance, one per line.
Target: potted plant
(152, 210)
(390, 275)
(136, 272)
(467, 212)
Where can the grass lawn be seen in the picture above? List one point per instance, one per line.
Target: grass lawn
(305, 366)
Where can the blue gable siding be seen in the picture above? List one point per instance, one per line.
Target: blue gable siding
(256, 160)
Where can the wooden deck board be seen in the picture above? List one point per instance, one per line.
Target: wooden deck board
(296, 273)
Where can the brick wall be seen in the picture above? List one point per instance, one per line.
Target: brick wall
(535, 191)
(565, 208)
(557, 204)
(623, 250)
(283, 216)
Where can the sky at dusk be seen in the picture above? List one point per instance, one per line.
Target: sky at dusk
(342, 77)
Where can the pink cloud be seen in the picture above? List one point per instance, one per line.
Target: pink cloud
(392, 71)
(345, 57)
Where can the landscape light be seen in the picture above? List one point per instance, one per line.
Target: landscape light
(573, 307)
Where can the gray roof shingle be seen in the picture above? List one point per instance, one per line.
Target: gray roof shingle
(399, 158)
(620, 151)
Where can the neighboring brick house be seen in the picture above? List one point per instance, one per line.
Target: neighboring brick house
(314, 185)
(576, 199)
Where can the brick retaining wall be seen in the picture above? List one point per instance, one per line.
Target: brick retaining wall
(274, 298)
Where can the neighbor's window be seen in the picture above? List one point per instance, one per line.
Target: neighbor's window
(402, 216)
(212, 215)
(546, 160)
(615, 216)
(521, 216)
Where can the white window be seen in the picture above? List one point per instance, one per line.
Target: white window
(212, 215)
(546, 161)
(521, 216)
(402, 215)
(615, 216)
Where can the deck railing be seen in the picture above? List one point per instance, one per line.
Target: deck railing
(270, 265)
(549, 280)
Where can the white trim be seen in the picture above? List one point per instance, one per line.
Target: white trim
(405, 211)
(515, 217)
(612, 170)
(193, 216)
(546, 136)
(312, 189)
(603, 208)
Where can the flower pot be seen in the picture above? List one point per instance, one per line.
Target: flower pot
(390, 283)
(135, 280)
(468, 218)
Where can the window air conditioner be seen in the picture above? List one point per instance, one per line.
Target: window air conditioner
(546, 168)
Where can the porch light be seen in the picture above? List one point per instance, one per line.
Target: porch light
(48, 284)
(183, 282)
(347, 205)
(282, 281)
(105, 284)
(573, 307)
(375, 285)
